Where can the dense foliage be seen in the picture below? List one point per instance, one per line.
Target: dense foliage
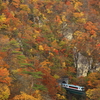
(37, 39)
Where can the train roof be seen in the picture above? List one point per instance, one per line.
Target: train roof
(74, 85)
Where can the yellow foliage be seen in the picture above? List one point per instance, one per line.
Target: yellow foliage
(25, 7)
(37, 95)
(88, 52)
(62, 43)
(2, 18)
(46, 63)
(36, 34)
(93, 94)
(78, 14)
(4, 92)
(24, 96)
(34, 0)
(12, 13)
(51, 54)
(63, 18)
(77, 33)
(15, 71)
(49, 11)
(31, 50)
(61, 97)
(14, 28)
(77, 5)
(41, 47)
(56, 76)
(44, 16)
(64, 64)
(36, 31)
(60, 22)
(37, 12)
(89, 93)
(81, 20)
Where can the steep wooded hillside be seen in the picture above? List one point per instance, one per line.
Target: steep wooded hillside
(44, 40)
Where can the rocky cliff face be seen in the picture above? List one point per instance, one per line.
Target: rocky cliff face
(82, 65)
(85, 65)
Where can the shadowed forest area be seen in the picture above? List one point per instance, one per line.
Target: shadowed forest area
(42, 41)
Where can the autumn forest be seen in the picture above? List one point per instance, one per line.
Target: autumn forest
(40, 41)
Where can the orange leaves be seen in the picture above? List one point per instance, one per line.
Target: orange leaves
(91, 28)
(92, 32)
(3, 54)
(16, 3)
(58, 19)
(46, 47)
(95, 4)
(46, 65)
(67, 2)
(2, 62)
(79, 17)
(49, 5)
(78, 14)
(93, 79)
(4, 76)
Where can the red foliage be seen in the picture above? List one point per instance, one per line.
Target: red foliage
(56, 51)
(67, 3)
(7, 13)
(39, 39)
(62, 50)
(50, 82)
(98, 45)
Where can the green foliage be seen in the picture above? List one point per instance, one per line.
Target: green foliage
(16, 52)
(35, 75)
(26, 65)
(21, 57)
(14, 44)
(39, 87)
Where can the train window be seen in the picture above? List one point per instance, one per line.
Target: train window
(73, 87)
